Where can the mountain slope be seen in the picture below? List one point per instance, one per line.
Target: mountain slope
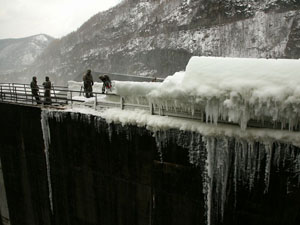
(17, 54)
(157, 38)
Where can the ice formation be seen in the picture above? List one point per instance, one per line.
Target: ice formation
(4, 211)
(46, 136)
(237, 89)
(222, 152)
(232, 164)
(233, 90)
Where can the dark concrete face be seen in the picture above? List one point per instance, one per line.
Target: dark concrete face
(23, 164)
(113, 175)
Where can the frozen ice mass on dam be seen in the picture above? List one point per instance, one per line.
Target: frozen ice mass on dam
(229, 93)
(222, 91)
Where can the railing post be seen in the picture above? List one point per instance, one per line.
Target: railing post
(13, 92)
(80, 91)
(16, 95)
(151, 108)
(95, 102)
(160, 110)
(54, 93)
(32, 97)
(71, 96)
(122, 102)
(25, 92)
(10, 92)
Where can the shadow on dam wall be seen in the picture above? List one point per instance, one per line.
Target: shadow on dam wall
(109, 174)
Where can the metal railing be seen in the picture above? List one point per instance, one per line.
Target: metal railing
(22, 93)
(61, 95)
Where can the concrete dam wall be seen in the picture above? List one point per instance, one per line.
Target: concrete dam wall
(67, 168)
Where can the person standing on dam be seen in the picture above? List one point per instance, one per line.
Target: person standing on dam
(106, 82)
(88, 83)
(35, 90)
(47, 91)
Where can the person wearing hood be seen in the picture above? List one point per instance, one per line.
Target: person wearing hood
(106, 82)
(88, 84)
(47, 91)
(35, 90)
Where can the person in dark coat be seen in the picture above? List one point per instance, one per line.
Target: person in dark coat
(106, 82)
(88, 84)
(47, 91)
(35, 90)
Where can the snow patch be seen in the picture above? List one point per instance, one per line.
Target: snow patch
(41, 38)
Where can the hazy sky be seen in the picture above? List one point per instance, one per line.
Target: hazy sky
(22, 18)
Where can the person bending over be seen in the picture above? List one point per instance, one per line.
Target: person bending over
(106, 83)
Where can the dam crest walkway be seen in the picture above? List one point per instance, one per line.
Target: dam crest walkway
(63, 97)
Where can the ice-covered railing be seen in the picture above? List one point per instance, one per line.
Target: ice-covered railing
(263, 92)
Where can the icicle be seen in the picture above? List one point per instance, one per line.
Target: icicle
(158, 140)
(192, 157)
(46, 136)
(97, 123)
(58, 116)
(74, 116)
(110, 132)
(4, 210)
(235, 176)
(277, 157)
(217, 166)
(252, 165)
(268, 150)
(243, 162)
(223, 167)
(260, 157)
(210, 146)
(297, 168)
(87, 118)
(129, 135)
(194, 149)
